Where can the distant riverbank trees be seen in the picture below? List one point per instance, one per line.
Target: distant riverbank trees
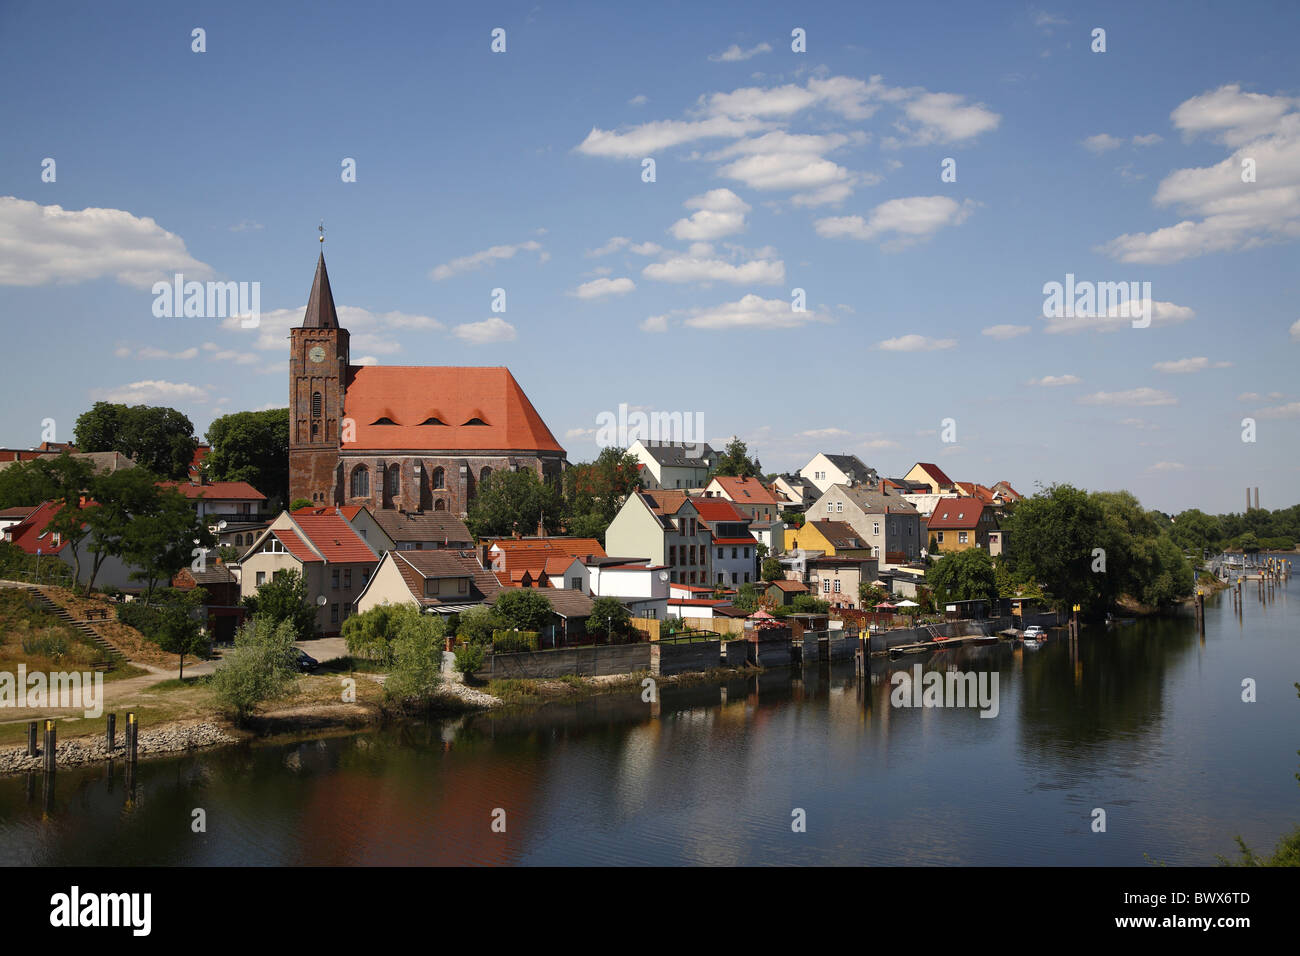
(1254, 530)
(1093, 548)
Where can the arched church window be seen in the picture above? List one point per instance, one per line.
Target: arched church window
(439, 479)
(315, 405)
(361, 482)
(394, 479)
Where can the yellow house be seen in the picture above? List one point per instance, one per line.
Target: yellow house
(931, 475)
(836, 538)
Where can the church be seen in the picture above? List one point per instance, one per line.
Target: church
(411, 438)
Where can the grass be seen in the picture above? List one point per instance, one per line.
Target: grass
(32, 635)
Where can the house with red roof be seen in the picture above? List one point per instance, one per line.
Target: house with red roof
(217, 501)
(420, 438)
(334, 560)
(961, 523)
(733, 552)
(443, 581)
(34, 536)
(372, 531)
(931, 475)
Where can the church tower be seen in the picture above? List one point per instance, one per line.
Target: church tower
(318, 377)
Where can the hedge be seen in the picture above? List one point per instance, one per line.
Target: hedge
(514, 642)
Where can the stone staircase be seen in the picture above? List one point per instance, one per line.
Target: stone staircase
(109, 657)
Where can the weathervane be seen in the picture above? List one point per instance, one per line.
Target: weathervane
(321, 230)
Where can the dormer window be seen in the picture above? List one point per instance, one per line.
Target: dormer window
(476, 421)
(433, 420)
(384, 421)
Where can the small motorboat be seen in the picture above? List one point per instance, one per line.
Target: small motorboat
(1034, 638)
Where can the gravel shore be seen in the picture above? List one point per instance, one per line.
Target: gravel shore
(79, 752)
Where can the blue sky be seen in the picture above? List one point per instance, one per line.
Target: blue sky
(774, 170)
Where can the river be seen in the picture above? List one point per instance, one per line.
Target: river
(1145, 722)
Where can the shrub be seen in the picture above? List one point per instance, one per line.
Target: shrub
(478, 624)
(417, 659)
(526, 608)
(263, 665)
(469, 658)
(48, 643)
(514, 642)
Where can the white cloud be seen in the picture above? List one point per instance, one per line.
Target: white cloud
(750, 312)
(40, 245)
(479, 259)
(719, 212)
(598, 288)
(639, 100)
(622, 242)
(912, 219)
(946, 118)
(151, 352)
(368, 329)
(1149, 139)
(151, 391)
(1295, 331)
(734, 53)
(486, 332)
(1055, 380)
(1250, 397)
(579, 433)
(695, 269)
(1290, 410)
(366, 360)
(1134, 396)
(247, 225)
(1168, 466)
(649, 138)
(1183, 366)
(915, 343)
(823, 433)
(1005, 331)
(1102, 142)
(1161, 313)
(1221, 212)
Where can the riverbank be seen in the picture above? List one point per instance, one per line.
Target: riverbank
(189, 719)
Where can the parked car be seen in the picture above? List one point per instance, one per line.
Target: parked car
(306, 662)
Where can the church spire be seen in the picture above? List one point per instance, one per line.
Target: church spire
(320, 307)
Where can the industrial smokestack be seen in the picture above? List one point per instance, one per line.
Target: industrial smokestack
(1248, 497)
(1257, 497)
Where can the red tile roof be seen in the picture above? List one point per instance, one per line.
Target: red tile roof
(718, 509)
(956, 513)
(295, 545)
(735, 541)
(348, 512)
(30, 534)
(577, 547)
(334, 538)
(749, 491)
(217, 490)
(785, 584)
(935, 472)
(411, 395)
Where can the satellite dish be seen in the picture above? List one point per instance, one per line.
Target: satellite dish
(321, 600)
(663, 575)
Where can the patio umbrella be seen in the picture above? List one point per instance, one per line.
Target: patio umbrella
(885, 604)
(762, 615)
(907, 604)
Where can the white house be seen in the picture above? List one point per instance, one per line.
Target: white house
(824, 471)
(674, 465)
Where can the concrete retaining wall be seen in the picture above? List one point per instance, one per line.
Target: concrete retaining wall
(769, 653)
(810, 645)
(735, 653)
(841, 648)
(588, 661)
(669, 658)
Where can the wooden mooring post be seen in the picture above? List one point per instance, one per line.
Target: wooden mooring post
(132, 737)
(51, 745)
(31, 739)
(111, 732)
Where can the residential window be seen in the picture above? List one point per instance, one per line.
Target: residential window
(733, 554)
(829, 507)
(747, 555)
(432, 587)
(462, 586)
(334, 613)
(839, 506)
(961, 537)
(719, 577)
(733, 577)
(939, 538)
(719, 554)
(837, 585)
(672, 554)
(334, 579)
(575, 583)
(347, 579)
(826, 586)
(746, 577)
(261, 578)
(875, 528)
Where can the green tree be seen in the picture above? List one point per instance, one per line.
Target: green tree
(608, 614)
(735, 461)
(524, 609)
(746, 598)
(299, 503)
(252, 447)
(594, 491)
(162, 539)
(26, 484)
(477, 624)
(158, 438)
(120, 496)
(263, 665)
(807, 604)
(72, 478)
(179, 627)
(371, 635)
(772, 570)
(416, 669)
(285, 598)
(1054, 533)
(964, 576)
(510, 501)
